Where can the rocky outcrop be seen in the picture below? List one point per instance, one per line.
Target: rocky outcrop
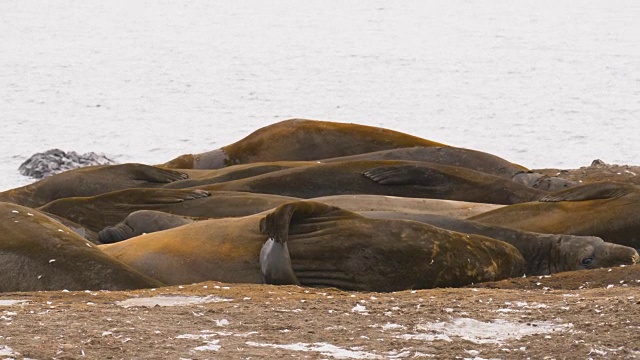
(55, 161)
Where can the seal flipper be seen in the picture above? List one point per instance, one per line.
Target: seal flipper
(406, 175)
(275, 261)
(155, 174)
(593, 191)
(275, 264)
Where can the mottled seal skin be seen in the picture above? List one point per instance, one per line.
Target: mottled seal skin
(38, 253)
(394, 178)
(98, 212)
(328, 246)
(544, 253)
(300, 139)
(90, 181)
(234, 204)
(607, 210)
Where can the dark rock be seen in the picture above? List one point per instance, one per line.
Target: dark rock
(55, 161)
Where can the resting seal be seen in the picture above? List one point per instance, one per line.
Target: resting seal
(328, 246)
(234, 204)
(90, 181)
(444, 155)
(394, 178)
(38, 253)
(544, 253)
(300, 139)
(97, 212)
(607, 210)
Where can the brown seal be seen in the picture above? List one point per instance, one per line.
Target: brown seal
(300, 139)
(98, 212)
(227, 204)
(90, 181)
(38, 253)
(394, 178)
(544, 253)
(607, 210)
(444, 155)
(328, 246)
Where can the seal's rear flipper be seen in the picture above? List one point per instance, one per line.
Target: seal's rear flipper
(275, 264)
(275, 261)
(406, 175)
(153, 174)
(593, 191)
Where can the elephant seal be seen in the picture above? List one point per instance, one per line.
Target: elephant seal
(543, 182)
(90, 181)
(444, 155)
(38, 253)
(607, 210)
(300, 139)
(230, 173)
(141, 222)
(328, 246)
(234, 204)
(97, 212)
(544, 254)
(385, 177)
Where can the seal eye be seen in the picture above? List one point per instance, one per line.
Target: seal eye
(587, 261)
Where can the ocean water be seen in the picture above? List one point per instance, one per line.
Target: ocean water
(541, 83)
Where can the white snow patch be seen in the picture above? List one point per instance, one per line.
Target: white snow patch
(6, 351)
(359, 308)
(210, 346)
(479, 332)
(195, 336)
(390, 326)
(12, 302)
(173, 300)
(223, 322)
(323, 348)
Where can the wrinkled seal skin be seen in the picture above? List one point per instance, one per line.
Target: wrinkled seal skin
(38, 253)
(234, 204)
(394, 178)
(544, 253)
(607, 210)
(300, 139)
(90, 181)
(328, 246)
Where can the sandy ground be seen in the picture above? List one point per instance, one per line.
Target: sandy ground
(575, 315)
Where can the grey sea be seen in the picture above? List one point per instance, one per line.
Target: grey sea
(541, 83)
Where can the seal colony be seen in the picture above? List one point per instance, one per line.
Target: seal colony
(312, 203)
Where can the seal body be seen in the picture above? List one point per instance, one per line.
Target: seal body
(90, 181)
(544, 253)
(233, 204)
(328, 246)
(38, 253)
(394, 178)
(300, 139)
(607, 210)
(444, 155)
